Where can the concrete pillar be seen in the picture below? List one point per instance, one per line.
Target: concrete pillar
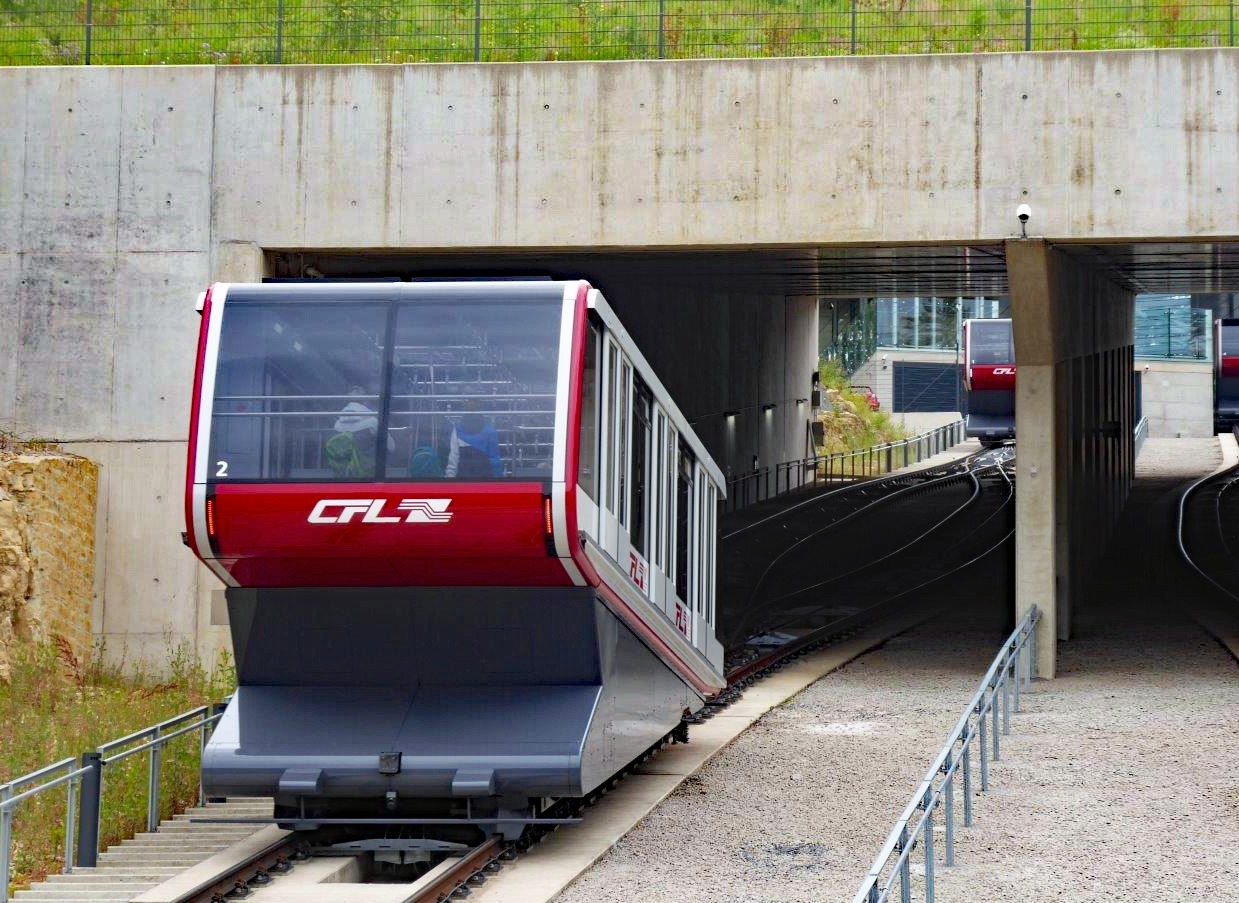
(1073, 423)
(238, 261)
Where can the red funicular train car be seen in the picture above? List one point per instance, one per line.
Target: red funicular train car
(1225, 374)
(989, 381)
(468, 541)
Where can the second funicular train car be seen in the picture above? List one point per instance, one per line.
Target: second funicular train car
(989, 381)
(1225, 374)
(468, 541)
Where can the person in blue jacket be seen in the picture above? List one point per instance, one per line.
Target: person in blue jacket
(473, 450)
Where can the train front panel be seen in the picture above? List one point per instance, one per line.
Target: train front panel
(381, 434)
(989, 380)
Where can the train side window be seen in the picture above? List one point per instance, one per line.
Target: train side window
(642, 399)
(657, 495)
(587, 464)
(621, 445)
(683, 522)
(712, 547)
(714, 556)
(669, 506)
(612, 377)
(701, 543)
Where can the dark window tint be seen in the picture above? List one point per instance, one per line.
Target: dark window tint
(473, 390)
(1230, 339)
(641, 401)
(298, 392)
(990, 342)
(587, 466)
(684, 515)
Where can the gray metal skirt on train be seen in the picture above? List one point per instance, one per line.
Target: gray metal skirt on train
(393, 695)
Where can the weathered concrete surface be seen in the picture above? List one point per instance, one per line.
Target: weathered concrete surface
(1074, 416)
(124, 190)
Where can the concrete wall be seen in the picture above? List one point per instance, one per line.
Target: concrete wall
(1177, 397)
(124, 190)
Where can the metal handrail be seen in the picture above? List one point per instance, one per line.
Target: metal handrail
(83, 779)
(849, 466)
(1015, 663)
(1139, 434)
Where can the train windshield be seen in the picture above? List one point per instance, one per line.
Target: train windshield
(443, 388)
(989, 342)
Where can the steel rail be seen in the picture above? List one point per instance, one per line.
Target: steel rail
(1181, 524)
(976, 492)
(276, 856)
(881, 500)
(746, 672)
(461, 874)
(857, 485)
(933, 528)
(957, 541)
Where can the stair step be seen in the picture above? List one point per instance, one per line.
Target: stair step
(93, 876)
(167, 840)
(84, 891)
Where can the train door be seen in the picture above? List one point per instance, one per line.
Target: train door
(615, 375)
(588, 463)
(685, 560)
(639, 507)
(668, 474)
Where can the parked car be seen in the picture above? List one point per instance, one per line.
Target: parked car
(871, 397)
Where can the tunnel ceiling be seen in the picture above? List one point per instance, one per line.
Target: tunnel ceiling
(843, 272)
(1166, 267)
(834, 272)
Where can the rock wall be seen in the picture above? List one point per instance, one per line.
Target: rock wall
(47, 549)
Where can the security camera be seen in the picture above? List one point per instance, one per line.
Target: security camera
(1023, 213)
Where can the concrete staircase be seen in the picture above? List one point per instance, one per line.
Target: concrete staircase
(140, 863)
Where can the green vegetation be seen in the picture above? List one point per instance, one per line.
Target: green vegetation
(847, 421)
(55, 706)
(387, 31)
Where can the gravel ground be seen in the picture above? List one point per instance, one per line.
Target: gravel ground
(1102, 792)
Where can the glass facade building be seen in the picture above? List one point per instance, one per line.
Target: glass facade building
(1167, 326)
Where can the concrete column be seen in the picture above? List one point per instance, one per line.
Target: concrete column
(238, 261)
(1073, 422)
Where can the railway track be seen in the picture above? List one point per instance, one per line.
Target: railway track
(1206, 531)
(862, 561)
(951, 517)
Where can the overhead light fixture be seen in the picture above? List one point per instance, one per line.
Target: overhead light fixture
(730, 414)
(802, 401)
(769, 407)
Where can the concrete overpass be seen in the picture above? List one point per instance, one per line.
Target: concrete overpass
(712, 200)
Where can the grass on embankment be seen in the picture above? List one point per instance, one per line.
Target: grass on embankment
(847, 421)
(55, 706)
(386, 31)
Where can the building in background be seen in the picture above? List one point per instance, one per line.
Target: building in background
(908, 351)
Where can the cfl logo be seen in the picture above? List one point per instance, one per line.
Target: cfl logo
(1004, 371)
(412, 511)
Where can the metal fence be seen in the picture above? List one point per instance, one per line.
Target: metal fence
(989, 712)
(388, 31)
(82, 781)
(841, 467)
